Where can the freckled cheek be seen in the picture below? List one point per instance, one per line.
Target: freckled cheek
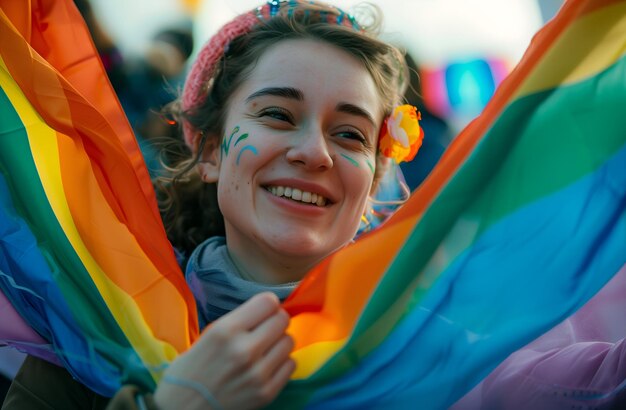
(233, 179)
(230, 180)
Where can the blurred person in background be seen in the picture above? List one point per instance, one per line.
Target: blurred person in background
(151, 82)
(145, 84)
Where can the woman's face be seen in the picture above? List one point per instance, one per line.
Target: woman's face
(296, 163)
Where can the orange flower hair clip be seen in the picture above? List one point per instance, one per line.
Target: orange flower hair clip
(401, 135)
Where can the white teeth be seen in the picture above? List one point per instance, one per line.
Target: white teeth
(298, 195)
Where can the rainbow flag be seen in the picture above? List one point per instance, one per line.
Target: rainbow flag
(521, 222)
(84, 258)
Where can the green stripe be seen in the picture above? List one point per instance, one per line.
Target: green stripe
(81, 295)
(241, 138)
(352, 161)
(549, 140)
(571, 133)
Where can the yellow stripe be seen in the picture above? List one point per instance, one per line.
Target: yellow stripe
(44, 146)
(311, 357)
(589, 45)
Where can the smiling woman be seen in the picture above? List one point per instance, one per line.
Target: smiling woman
(281, 117)
(482, 259)
(283, 136)
(284, 145)
(308, 127)
(283, 131)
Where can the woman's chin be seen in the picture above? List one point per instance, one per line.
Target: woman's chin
(307, 250)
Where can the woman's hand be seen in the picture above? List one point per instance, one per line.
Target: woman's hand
(241, 360)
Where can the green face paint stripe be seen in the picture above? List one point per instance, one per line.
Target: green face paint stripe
(369, 164)
(226, 145)
(247, 148)
(243, 137)
(352, 161)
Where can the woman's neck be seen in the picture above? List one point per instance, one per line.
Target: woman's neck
(263, 267)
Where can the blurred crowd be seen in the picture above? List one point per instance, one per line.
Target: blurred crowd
(146, 83)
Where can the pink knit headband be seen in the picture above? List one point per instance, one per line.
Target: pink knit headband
(197, 84)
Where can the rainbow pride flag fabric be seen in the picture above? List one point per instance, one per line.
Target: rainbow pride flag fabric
(83, 255)
(521, 222)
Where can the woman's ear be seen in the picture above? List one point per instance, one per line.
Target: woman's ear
(209, 161)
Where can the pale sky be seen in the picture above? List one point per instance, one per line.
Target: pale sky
(433, 30)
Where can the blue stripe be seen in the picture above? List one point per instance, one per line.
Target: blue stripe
(18, 253)
(244, 149)
(43, 306)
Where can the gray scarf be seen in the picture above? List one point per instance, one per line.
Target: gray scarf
(217, 285)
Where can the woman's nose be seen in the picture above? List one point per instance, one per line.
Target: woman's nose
(311, 150)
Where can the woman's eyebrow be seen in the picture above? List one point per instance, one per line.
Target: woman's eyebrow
(355, 110)
(286, 92)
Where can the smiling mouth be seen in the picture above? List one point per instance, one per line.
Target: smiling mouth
(297, 195)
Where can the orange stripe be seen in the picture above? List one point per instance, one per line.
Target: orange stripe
(19, 14)
(116, 250)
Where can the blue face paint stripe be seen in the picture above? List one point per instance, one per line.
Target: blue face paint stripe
(246, 148)
(369, 164)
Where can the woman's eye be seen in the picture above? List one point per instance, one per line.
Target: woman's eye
(353, 135)
(277, 114)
